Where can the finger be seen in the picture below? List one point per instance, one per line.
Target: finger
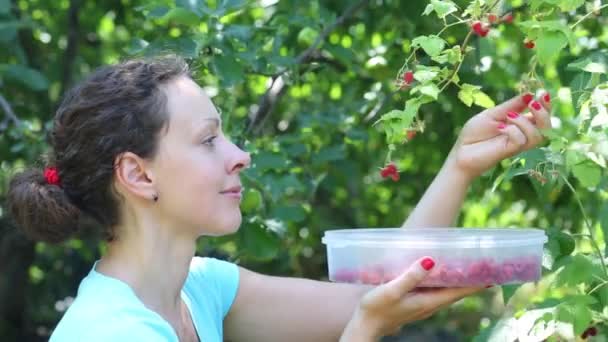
(546, 101)
(515, 104)
(514, 140)
(509, 142)
(541, 115)
(533, 136)
(442, 297)
(409, 279)
(530, 117)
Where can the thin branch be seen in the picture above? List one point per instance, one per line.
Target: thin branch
(588, 224)
(588, 14)
(72, 44)
(276, 88)
(9, 111)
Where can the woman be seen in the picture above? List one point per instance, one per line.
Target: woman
(138, 146)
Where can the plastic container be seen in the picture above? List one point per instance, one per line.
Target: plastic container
(463, 256)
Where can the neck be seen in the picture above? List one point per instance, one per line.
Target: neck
(153, 261)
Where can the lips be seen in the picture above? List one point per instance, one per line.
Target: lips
(233, 190)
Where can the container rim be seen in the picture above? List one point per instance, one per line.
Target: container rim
(452, 237)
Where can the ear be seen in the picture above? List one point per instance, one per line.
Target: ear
(134, 176)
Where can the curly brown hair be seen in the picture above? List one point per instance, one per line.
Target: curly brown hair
(118, 108)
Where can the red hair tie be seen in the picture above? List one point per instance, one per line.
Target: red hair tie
(51, 175)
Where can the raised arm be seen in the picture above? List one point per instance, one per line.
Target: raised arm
(289, 309)
(485, 140)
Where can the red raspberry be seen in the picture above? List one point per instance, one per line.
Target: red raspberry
(591, 331)
(529, 44)
(371, 276)
(508, 18)
(477, 27)
(480, 29)
(390, 170)
(492, 18)
(410, 134)
(345, 275)
(508, 271)
(408, 77)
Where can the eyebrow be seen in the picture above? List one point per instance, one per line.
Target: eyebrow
(207, 127)
(216, 121)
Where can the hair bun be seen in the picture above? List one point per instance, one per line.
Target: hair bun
(41, 209)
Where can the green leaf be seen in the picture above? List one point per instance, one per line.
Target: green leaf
(5, 6)
(483, 100)
(182, 16)
(578, 314)
(31, 78)
(551, 253)
(508, 291)
(268, 161)
(307, 36)
(577, 269)
(227, 6)
(534, 29)
(260, 243)
(603, 219)
(566, 242)
(432, 45)
(289, 213)
(429, 89)
(470, 94)
(566, 5)
(442, 8)
(328, 154)
(596, 62)
(424, 76)
(466, 94)
(228, 69)
(474, 9)
(549, 45)
(198, 7)
(588, 173)
(184, 46)
(252, 200)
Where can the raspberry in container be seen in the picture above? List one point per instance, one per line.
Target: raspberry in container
(463, 256)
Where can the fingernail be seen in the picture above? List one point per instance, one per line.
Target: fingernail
(427, 263)
(547, 98)
(527, 98)
(535, 105)
(512, 115)
(501, 125)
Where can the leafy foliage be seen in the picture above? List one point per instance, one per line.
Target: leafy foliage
(314, 89)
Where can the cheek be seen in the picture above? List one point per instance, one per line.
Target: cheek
(191, 175)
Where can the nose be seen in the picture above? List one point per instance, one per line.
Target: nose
(239, 161)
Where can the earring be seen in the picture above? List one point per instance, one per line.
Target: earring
(155, 198)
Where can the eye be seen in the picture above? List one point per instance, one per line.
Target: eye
(209, 141)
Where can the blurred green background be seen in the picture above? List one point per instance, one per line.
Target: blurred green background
(316, 155)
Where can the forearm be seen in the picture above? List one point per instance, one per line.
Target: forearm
(441, 203)
(291, 309)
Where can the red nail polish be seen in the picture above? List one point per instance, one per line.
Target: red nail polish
(535, 105)
(547, 97)
(527, 98)
(487, 287)
(501, 125)
(427, 263)
(512, 115)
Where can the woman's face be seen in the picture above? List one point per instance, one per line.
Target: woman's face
(197, 169)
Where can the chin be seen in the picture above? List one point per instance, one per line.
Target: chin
(224, 228)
